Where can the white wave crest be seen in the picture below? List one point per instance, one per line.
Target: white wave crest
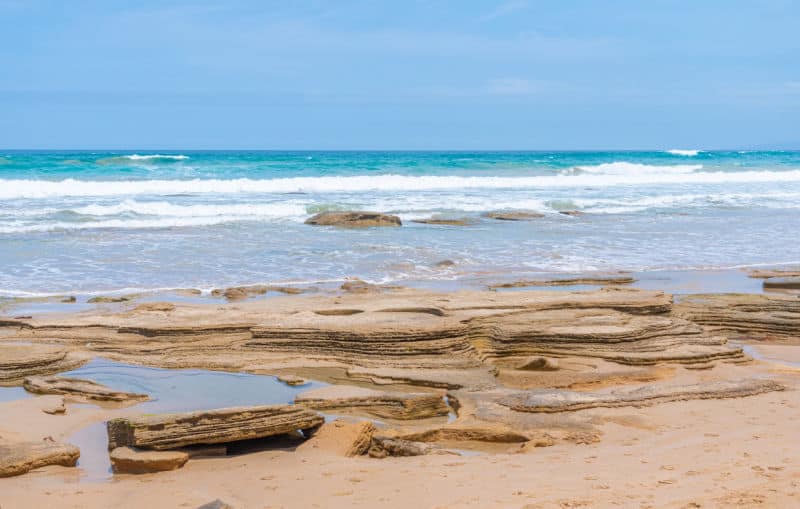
(166, 209)
(683, 152)
(12, 188)
(625, 168)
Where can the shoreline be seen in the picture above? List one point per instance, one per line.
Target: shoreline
(478, 350)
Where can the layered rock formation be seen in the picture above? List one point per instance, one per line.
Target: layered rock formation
(353, 219)
(20, 361)
(20, 457)
(85, 389)
(126, 460)
(387, 405)
(170, 431)
(519, 215)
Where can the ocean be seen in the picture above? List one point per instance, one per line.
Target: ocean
(96, 222)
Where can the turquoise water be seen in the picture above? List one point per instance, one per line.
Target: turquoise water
(95, 222)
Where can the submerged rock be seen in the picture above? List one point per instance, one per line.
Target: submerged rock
(446, 221)
(108, 300)
(244, 292)
(520, 215)
(78, 387)
(170, 431)
(572, 281)
(353, 219)
(21, 457)
(126, 460)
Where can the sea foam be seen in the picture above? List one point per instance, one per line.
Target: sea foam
(683, 152)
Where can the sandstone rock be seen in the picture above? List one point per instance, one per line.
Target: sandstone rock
(56, 408)
(292, 380)
(155, 306)
(78, 387)
(446, 221)
(513, 215)
(20, 361)
(382, 446)
(126, 460)
(771, 273)
(342, 438)
(460, 433)
(782, 283)
(538, 364)
(353, 219)
(243, 292)
(170, 431)
(597, 281)
(388, 405)
(358, 286)
(566, 401)
(21, 457)
(108, 299)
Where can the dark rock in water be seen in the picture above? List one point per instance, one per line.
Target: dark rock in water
(353, 219)
(784, 283)
(126, 460)
(108, 300)
(21, 457)
(446, 221)
(573, 213)
(445, 263)
(69, 300)
(243, 292)
(513, 216)
(171, 431)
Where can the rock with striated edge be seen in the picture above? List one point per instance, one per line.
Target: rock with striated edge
(387, 405)
(78, 387)
(342, 438)
(782, 283)
(21, 457)
(353, 219)
(550, 401)
(170, 431)
(126, 460)
(20, 361)
(382, 447)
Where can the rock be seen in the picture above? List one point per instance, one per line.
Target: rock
(244, 292)
(519, 215)
(353, 219)
(155, 306)
(126, 460)
(21, 457)
(20, 361)
(382, 446)
(445, 263)
(292, 380)
(205, 451)
(342, 438)
(573, 213)
(216, 504)
(538, 364)
(358, 286)
(446, 221)
(170, 431)
(69, 300)
(387, 405)
(55, 408)
(459, 433)
(597, 281)
(108, 299)
(78, 387)
(771, 273)
(550, 401)
(782, 283)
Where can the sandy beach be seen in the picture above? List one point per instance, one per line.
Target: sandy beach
(610, 397)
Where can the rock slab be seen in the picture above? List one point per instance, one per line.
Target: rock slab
(78, 387)
(126, 460)
(170, 431)
(354, 219)
(21, 457)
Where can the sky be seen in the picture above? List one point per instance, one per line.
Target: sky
(424, 74)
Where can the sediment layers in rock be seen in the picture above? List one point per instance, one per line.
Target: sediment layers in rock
(387, 405)
(549, 401)
(170, 431)
(17, 458)
(751, 316)
(20, 361)
(77, 387)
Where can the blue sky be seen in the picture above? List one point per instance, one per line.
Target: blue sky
(423, 74)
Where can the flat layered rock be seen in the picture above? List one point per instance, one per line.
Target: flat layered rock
(549, 401)
(78, 387)
(595, 281)
(353, 219)
(20, 361)
(21, 457)
(513, 215)
(770, 273)
(388, 405)
(342, 438)
(753, 316)
(170, 431)
(244, 292)
(446, 221)
(783, 283)
(126, 460)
